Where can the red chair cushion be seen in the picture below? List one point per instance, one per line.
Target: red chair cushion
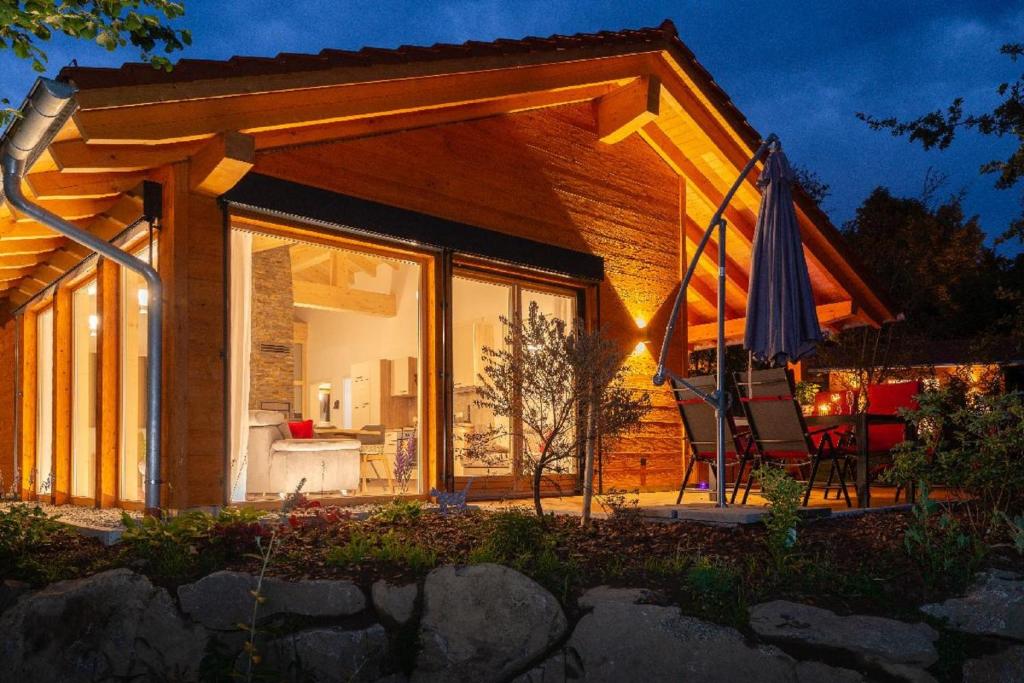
(888, 399)
(301, 430)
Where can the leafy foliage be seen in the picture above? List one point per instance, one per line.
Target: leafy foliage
(945, 556)
(176, 548)
(817, 189)
(975, 446)
(399, 511)
(24, 531)
(388, 548)
(784, 494)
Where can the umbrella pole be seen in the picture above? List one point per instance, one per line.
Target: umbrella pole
(721, 395)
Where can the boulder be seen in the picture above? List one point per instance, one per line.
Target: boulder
(619, 641)
(600, 594)
(223, 600)
(1007, 665)
(10, 591)
(395, 603)
(875, 641)
(324, 655)
(559, 668)
(111, 626)
(483, 623)
(994, 606)
(816, 672)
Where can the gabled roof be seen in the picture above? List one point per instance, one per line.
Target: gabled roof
(134, 119)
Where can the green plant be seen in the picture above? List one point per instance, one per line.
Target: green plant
(389, 548)
(972, 444)
(265, 554)
(177, 547)
(1016, 528)
(784, 494)
(945, 556)
(806, 392)
(356, 549)
(24, 531)
(399, 511)
(715, 589)
(622, 507)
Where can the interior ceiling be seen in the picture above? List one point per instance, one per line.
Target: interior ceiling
(91, 177)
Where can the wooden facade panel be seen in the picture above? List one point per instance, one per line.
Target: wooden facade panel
(543, 175)
(8, 381)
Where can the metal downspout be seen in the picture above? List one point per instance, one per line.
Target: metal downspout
(49, 105)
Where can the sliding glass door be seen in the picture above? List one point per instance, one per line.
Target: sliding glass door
(85, 325)
(43, 475)
(485, 444)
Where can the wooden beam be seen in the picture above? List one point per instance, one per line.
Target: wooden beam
(63, 259)
(14, 262)
(248, 113)
(58, 185)
(18, 297)
(68, 209)
(75, 156)
(331, 298)
(14, 247)
(828, 314)
(8, 275)
(25, 231)
(351, 129)
(624, 111)
(218, 166)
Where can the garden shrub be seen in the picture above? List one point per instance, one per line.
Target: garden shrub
(622, 507)
(975, 447)
(945, 556)
(24, 532)
(714, 591)
(399, 511)
(784, 495)
(179, 547)
(390, 548)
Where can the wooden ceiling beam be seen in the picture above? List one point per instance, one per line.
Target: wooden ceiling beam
(14, 262)
(75, 156)
(624, 111)
(828, 315)
(15, 247)
(58, 185)
(8, 275)
(64, 259)
(18, 297)
(162, 123)
(68, 209)
(331, 298)
(370, 126)
(218, 166)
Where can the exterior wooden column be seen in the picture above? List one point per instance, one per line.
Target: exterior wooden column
(62, 387)
(27, 418)
(8, 379)
(108, 384)
(191, 263)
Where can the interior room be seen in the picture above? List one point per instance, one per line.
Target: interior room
(325, 360)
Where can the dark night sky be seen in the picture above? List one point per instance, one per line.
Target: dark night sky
(801, 69)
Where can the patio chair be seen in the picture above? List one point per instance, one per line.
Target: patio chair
(837, 403)
(890, 399)
(700, 428)
(779, 432)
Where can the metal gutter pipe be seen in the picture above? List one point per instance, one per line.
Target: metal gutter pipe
(50, 103)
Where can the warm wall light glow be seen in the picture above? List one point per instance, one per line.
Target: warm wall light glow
(94, 324)
(639, 348)
(640, 321)
(143, 298)
(91, 289)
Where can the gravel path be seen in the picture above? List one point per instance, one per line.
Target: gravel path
(106, 518)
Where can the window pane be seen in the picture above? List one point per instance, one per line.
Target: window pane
(134, 379)
(332, 337)
(477, 306)
(44, 402)
(85, 326)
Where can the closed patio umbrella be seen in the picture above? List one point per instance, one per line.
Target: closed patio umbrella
(782, 322)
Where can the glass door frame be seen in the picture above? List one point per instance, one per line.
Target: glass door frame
(89, 278)
(518, 279)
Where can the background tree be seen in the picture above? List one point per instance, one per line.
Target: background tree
(817, 189)
(549, 381)
(143, 24)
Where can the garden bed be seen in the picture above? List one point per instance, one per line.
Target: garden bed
(850, 565)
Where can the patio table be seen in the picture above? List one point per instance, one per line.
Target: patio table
(861, 425)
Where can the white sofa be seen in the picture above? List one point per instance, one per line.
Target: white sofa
(277, 462)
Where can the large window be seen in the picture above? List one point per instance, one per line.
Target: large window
(43, 475)
(85, 324)
(478, 305)
(326, 352)
(134, 378)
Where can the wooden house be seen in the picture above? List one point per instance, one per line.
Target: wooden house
(340, 234)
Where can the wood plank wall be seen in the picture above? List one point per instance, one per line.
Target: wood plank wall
(545, 176)
(8, 381)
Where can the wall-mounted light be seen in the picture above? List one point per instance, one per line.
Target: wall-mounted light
(641, 324)
(91, 289)
(94, 324)
(143, 300)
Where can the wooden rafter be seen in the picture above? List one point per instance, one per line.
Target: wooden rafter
(828, 315)
(622, 112)
(333, 298)
(57, 185)
(221, 163)
(75, 156)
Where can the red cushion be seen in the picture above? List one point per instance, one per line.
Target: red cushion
(887, 399)
(301, 430)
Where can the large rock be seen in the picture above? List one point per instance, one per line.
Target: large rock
(620, 641)
(898, 647)
(394, 603)
(324, 655)
(484, 623)
(1007, 665)
(223, 600)
(111, 626)
(994, 606)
